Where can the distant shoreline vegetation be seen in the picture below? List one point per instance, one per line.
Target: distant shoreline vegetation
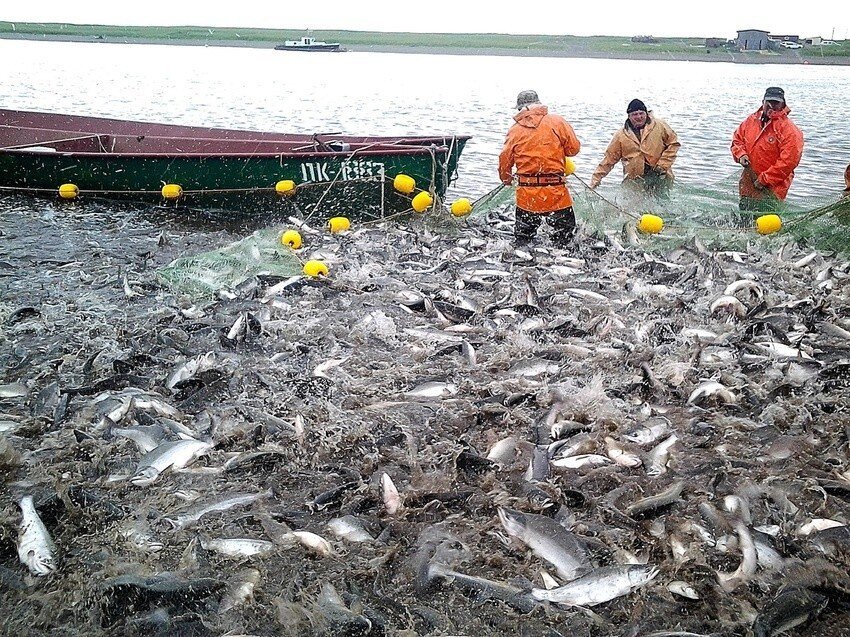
(641, 47)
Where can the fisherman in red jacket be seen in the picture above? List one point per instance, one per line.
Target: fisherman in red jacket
(537, 144)
(769, 147)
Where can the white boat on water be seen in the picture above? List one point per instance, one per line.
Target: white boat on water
(308, 44)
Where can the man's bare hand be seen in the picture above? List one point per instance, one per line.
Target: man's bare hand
(744, 161)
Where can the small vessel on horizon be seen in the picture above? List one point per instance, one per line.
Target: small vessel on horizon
(308, 43)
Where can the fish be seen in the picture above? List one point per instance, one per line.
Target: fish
(483, 589)
(190, 368)
(237, 547)
(728, 305)
(577, 462)
(712, 391)
(435, 389)
(620, 455)
(311, 541)
(657, 458)
(749, 561)
(174, 455)
(390, 495)
(351, 528)
(648, 434)
(182, 520)
(792, 606)
(240, 589)
(682, 589)
(658, 501)
(599, 586)
(35, 546)
(14, 390)
(549, 541)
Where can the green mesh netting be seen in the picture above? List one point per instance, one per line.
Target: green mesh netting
(261, 253)
(707, 213)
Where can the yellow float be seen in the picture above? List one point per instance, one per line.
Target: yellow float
(315, 268)
(172, 191)
(69, 191)
(338, 224)
(421, 202)
(291, 238)
(404, 184)
(569, 167)
(285, 187)
(650, 224)
(461, 208)
(768, 224)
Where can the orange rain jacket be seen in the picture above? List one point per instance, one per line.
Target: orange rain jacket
(774, 148)
(537, 145)
(657, 146)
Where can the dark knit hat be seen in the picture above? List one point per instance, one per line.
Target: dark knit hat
(774, 94)
(636, 105)
(525, 98)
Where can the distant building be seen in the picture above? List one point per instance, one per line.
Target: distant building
(815, 41)
(753, 40)
(714, 43)
(645, 39)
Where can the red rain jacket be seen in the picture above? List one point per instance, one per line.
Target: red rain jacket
(537, 145)
(774, 149)
(847, 180)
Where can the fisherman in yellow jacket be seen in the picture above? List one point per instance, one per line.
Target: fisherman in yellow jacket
(646, 145)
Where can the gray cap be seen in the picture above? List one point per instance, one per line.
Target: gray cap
(525, 98)
(774, 94)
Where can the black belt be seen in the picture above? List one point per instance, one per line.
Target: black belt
(551, 179)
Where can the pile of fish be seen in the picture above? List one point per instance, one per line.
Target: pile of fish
(449, 435)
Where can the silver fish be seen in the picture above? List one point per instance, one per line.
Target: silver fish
(711, 390)
(599, 586)
(175, 455)
(749, 561)
(577, 462)
(236, 500)
(190, 368)
(237, 547)
(434, 389)
(483, 588)
(549, 541)
(682, 589)
(350, 528)
(658, 457)
(35, 547)
(13, 390)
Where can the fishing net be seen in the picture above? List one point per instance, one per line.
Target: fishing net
(259, 254)
(707, 213)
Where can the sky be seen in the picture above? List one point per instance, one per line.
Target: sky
(717, 18)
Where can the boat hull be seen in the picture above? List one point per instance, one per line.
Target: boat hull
(327, 48)
(356, 181)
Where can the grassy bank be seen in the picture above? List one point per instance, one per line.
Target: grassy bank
(564, 44)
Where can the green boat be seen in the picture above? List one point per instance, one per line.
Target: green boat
(237, 171)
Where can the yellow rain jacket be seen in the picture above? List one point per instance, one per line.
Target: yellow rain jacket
(537, 145)
(656, 148)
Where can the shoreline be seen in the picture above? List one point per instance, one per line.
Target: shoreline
(569, 51)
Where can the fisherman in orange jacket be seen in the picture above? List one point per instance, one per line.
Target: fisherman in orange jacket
(647, 147)
(537, 144)
(769, 146)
